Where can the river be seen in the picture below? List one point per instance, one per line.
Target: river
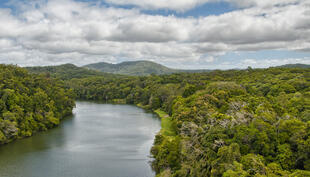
(99, 140)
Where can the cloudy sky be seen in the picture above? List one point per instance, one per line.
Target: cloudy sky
(185, 34)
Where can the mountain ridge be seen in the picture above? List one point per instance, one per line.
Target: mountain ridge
(130, 68)
(134, 68)
(65, 71)
(296, 65)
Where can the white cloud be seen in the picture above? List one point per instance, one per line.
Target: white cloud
(62, 31)
(184, 5)
(179, 5)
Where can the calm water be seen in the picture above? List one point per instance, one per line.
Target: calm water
(101, 140)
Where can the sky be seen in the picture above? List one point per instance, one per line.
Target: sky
(183, 34)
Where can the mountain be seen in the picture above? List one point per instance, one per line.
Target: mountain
(297, 65)
(65, 71)
(132, 68)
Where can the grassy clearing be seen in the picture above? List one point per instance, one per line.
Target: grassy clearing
(166, 123)
(166, 145)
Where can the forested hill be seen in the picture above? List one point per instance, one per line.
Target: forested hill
(138, 68)
(297, 65)
(135, 68)
(65, 71)
(132, 68)
(30, 103)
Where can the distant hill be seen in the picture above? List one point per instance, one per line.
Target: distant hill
(297, 65)
(65, 71)
(137, 68)
(134, 68)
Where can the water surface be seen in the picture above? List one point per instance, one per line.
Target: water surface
(100, 140)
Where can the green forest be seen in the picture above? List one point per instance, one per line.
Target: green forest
(252, 122)
(30, 103)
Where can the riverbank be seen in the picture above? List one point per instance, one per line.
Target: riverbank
(30, 103)
(165, 141)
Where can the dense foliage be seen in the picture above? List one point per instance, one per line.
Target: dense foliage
(224, 123)
(30, 103)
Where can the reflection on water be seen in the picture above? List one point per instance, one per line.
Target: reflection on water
(100, 140)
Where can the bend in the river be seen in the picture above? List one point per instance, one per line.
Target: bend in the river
(100, 140)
